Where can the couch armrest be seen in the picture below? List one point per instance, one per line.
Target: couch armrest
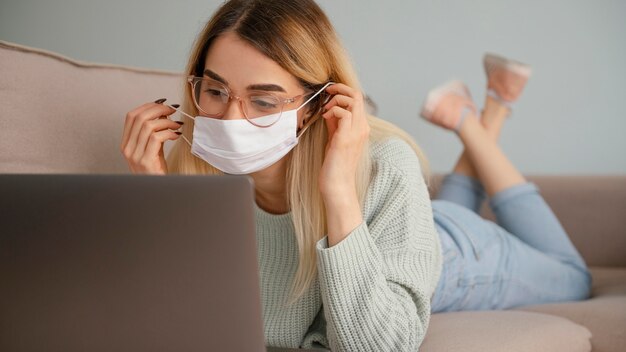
(592, 209)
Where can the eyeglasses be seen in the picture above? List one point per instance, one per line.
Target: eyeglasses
(260, 108)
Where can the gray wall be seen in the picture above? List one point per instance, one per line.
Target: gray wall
(570, 119)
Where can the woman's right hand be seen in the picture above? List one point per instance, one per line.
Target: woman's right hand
(145, 130)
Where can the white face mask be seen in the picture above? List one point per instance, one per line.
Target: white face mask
(238, 147)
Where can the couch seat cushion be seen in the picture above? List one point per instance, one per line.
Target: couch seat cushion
(604, 314)
(485, 331)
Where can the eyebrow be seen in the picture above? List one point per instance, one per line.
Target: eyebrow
(263, 86)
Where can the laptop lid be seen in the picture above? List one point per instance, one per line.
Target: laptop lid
(128, 263)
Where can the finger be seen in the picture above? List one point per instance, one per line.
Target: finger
(343, 118)
(130, 118)
(151, 113)
(155, 145)
(338, 113)
(340, 88)
(148, 129)
(357, 105)
(331, 127)
(341, 101)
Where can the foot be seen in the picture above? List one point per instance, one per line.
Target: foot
(448, 105)
(505, 78)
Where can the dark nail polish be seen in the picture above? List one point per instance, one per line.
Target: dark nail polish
(180, 122)
(178, 133)
(176, 105)
(160, 101)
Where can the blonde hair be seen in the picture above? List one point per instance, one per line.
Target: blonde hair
(299, 37)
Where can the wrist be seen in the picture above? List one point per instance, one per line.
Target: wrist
(343, 215)
(340, 202)
(339, 193)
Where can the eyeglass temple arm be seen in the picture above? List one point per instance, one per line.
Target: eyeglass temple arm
(310, 122)
(182, 112)
(316, 94)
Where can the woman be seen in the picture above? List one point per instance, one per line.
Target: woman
(349, 254)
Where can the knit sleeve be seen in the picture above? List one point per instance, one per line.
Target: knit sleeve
(377, 282)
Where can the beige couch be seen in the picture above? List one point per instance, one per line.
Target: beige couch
(58, 115)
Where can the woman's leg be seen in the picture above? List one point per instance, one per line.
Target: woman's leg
(492, 118)
(493, 168)
(527, 258)
(486, 267)
(517, 204)
(462, 186)
(506, 79)
(462, 190)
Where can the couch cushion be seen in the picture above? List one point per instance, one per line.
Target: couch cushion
(63, 116)
(604, 314)
(486, 331)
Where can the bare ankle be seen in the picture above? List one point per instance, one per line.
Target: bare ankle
(493, 132)
(493, 116)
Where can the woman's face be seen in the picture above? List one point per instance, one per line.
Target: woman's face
(243, 68)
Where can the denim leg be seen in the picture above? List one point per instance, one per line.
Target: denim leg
(463, 190)
(486, 267)
(524, 213)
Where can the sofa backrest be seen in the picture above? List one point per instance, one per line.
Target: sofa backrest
(59, 115)
(592, 210)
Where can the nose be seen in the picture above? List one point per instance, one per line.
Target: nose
(234, 110)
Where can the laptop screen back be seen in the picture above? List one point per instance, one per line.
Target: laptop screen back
(128, 263)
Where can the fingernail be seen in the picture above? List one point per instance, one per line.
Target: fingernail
(180, 122)
(160, 101)
(176, 105)
(178, 133)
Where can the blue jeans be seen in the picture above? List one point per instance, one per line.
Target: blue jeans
(526, 258)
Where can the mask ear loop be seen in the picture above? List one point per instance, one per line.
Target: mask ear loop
(304, 128)
(186, 114)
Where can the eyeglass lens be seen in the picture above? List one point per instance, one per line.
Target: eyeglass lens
(212, 99)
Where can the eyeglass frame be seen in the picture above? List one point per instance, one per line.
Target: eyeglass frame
(193, 80)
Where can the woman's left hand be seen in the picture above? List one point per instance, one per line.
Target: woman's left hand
(348, 132)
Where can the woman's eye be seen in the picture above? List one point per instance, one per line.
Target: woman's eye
(264, 103)
(214, 92)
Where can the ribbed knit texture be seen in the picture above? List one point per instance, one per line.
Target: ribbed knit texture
(373, 288)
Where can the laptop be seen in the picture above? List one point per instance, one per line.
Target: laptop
(128, 263)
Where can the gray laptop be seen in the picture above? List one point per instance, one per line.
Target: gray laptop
(128, 263)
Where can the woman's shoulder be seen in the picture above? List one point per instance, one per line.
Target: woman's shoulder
(394, 152)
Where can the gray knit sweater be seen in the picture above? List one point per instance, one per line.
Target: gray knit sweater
(373, 288)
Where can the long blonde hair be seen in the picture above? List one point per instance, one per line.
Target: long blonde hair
(299, 37)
